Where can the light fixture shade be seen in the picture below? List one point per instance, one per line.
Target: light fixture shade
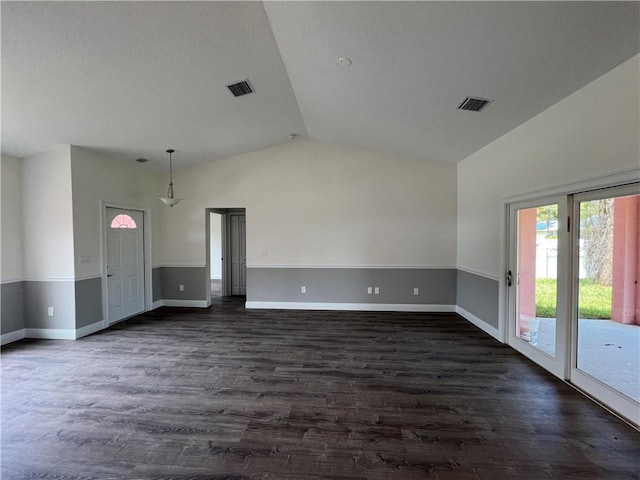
(171, 201)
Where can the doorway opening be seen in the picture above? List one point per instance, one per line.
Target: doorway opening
(215, 249)
(226, 252)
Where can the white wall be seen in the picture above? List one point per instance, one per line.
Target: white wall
(312, 203)
(11, 219)
(48, 216)
(592, 133)
(99, 177)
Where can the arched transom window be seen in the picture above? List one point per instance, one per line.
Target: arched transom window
(123, 221)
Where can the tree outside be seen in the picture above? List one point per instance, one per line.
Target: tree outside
(596, 261)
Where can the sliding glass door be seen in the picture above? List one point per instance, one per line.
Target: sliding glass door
(606, 291)
(538, 325)
(573, 279)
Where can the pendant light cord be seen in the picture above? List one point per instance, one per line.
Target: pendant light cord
(170, 189)
(170, 199)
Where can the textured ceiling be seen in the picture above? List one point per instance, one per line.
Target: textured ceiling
(135, 78)
(414, 63)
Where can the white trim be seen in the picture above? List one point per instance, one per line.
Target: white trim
(51, 333)
(89, 329)
(368, 307)
(555, 364)
(503, 293)
(609, 192)
(88, 277)
(184, 303)
(368, 267)
(606, 407)
(606, 396)
(597, 389)
(13, 336)
(49, 279)
(180, 303)
(615, 179)
(480, 274)
(148, 256)
(478, 322)
(52, 279)
(180, 265)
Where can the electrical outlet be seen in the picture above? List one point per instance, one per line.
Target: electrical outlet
(376, 290)
(181, 288)
(303, 289)
(416, 291)
(369, 290)
(50, 311)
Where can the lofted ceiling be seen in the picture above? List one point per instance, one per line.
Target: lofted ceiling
(135, 78)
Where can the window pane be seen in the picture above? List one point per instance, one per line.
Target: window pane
(123, 221)
(608, 292)
(536, 277)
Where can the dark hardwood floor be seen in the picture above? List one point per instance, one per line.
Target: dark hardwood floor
(224, 393)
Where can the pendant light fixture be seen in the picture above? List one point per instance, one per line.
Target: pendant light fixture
(170, 199)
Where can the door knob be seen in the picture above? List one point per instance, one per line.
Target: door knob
(109, 274)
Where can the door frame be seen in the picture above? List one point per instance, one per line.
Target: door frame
(615, 180)
(557, 365)
(627, 407)
(225, 214)
(618, 179)
(228, 230)
(146, 232)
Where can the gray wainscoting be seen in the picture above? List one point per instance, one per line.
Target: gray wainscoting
(478, 295)
(437, 286)
(12, 313)
(40, 295)
(25, 304)
(88, 302)
(194, 279)
(156, 283)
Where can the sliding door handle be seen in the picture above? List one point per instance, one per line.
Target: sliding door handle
(509, 278)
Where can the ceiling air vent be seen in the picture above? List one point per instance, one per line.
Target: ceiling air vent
(474, 104)
(241, 88)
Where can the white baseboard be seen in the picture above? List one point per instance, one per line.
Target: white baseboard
(369, 307)
(51, 333)
(156, 304)
(12, 336)
(478, 322)
(182, 303)
(68, 334)
(89, 329)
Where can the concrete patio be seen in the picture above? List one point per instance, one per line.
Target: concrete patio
(607, 350)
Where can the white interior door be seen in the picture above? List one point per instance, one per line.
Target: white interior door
(238, 255)
(536, 278)
(125, 263)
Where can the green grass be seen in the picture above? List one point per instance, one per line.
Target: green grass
(594, 299)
